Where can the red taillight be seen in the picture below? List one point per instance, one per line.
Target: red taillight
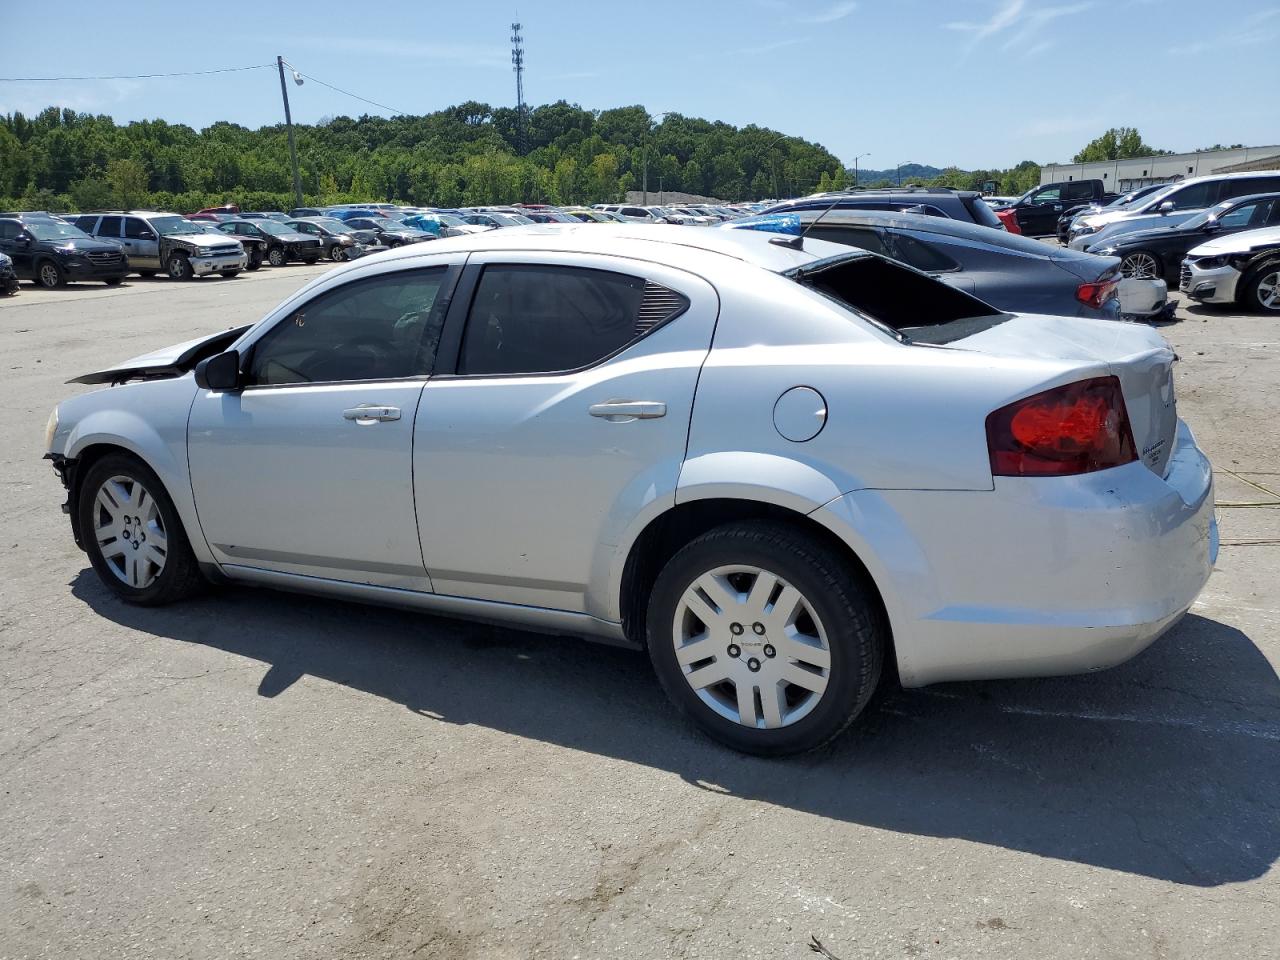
(1010, 220)
(1077, 428)
(1096, 294)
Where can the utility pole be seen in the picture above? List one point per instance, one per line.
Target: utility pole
(644, 164)
(855, 168)
(288, 122)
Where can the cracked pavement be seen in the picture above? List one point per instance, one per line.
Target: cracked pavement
(258, 774)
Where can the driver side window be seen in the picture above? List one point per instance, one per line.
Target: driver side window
(384, 328)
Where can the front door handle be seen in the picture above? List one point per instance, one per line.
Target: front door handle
(624, 411)
(371, 413)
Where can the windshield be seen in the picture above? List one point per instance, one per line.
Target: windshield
(173, 226)
(518, 218)
(448, 219)
(332, 224)
(273, 227)
(54, 230)
(1151, 201)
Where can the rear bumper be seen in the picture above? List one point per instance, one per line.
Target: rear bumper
(1040, 576)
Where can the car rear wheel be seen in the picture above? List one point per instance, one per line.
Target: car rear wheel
(179, 267)
(50, 275)
(113, 281)
(1262, 288)
(229, 273)
(133, 535)
(765, 637)
(1140, 265)
(255, 260)
(276, 257)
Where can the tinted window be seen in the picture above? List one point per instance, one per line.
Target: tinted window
(133, 228)
(864, 237)
(529, 318)
(87, 224)
(384, 328)
(1244, 186)
(1194, 197)
(110, 227)
(1080, 191)
(9, 230)
(921, 255)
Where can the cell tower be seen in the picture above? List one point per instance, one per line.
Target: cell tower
(517, 64)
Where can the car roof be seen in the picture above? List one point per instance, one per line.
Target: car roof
(922, 223)
(672, 245)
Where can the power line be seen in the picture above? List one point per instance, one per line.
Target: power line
(348, 93)
(140, 76)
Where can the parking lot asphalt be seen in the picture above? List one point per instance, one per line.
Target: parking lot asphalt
(264, 775)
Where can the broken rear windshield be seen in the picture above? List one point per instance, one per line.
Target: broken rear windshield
(907, 303)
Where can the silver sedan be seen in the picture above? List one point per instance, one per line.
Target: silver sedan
(786, 468)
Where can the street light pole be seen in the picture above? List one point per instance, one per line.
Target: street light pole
(900, 171)
(855, 168)
(288, 122)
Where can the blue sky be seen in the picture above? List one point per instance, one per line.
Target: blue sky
(975, 83)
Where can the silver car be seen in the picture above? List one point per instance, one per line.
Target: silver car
(778, 466)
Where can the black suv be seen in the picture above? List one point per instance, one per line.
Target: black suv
(52, 252)
(966, 205)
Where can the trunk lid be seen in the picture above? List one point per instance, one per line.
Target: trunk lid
(1138, 356)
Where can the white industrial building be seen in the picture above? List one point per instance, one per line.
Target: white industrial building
(1120, 176)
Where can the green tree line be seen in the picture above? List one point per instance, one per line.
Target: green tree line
(461, 156)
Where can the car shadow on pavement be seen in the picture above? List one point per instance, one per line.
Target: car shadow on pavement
(1165, 767)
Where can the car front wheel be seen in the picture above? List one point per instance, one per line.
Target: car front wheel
(337, 253)
(276, 257)
(133, 535)
(50, 275)
(1262, 288)
(179, 267)
(765, 637)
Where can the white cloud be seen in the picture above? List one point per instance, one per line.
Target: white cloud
(1004, 17)
(837, 11)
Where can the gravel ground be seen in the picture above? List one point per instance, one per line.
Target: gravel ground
(257, 774)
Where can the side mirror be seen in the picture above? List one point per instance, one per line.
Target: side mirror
(24, 239)
(146, 235)
(1166, 207)
(220, 372)
(1211, 225)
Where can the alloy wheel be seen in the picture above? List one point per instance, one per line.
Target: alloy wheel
(48, 275)
(751, 646)
(1269, 291)
(1139, 266)
(276, 258)
(129, 531)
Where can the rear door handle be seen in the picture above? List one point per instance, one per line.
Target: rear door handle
(371, 413)
(624, 411)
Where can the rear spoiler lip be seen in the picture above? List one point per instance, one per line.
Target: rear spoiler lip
(181, 364)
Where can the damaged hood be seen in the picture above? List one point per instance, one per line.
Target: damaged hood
(166, 362)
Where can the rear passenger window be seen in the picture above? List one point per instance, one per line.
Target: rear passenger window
(531, 318)
(1195, 197)
(921, 255)
(110, 227)
(1080, 191)
(864, 237)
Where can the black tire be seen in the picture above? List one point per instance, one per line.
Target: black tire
(229, 273)
(310, 261)
(49, 275)
(113, 281)
(829, 584)
(255, 260)
(179, 267)
(1260, 289)
(180, 576)
(146, 273)
(276, 257)
(337, 253)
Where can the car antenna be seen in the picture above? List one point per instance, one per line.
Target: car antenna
(797, 242)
